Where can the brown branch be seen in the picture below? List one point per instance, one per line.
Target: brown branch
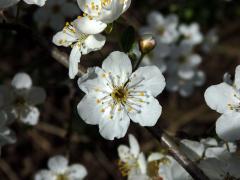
(156, 131)
(174, 150)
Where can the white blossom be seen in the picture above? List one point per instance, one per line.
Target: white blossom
(20, 99)
(219, 169)
(182, 72)
(55, 12)
(225, 98)
(115, 94)
(105, 11)
(191, 34)
(206, 148)
(168, 168)
(164, 29)
(73, 34)
(8, 3)
(59, 169)
(132, 162)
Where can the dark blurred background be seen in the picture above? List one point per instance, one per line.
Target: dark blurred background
(182, 117)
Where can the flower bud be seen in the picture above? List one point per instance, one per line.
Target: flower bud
(146, 43)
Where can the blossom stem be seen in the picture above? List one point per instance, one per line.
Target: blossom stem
(138, 62)
(174, 150)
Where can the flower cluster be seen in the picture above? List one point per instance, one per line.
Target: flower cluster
(83, 34)
(115, 94)
(18, 100)
(225, 98)
(218, 160)
(174, 53)
(134, 164)
(60, 170)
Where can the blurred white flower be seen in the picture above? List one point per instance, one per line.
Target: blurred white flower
(60, 170)
(55, 12)
(225, 99)
(182, 70)
(163, 29)
(106, 11)
(206, 148)
(115, 95)
(219, 169)
(20, 99)
(132, 162)
(168, 168)
(191, 34)
(73, 34)
(6, 135)
(7, 3)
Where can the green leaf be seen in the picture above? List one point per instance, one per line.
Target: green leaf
(127, 39)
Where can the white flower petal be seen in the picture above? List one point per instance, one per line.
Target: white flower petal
(22, 81)
(30, 115)
(64, 38)
(118, 64)
(76, 171)
(116, 127)
(58, 164)
(149, 112)
(228, 126)
(152, 80)
(85, 6)
(89, 26)
(89, 110)
(44, 175)
(213, 168)
(134, 146)
(74, 60)
(193, 149)
(90, 82)
(124, 153)
(37, 2)
(219, 96)
(155, 157)
(127, 4)
(142, 163)
(209, 141)
(237, 77)
(93, 43)
(7, 3)
(112, 12)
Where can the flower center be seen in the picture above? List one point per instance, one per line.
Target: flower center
(62, 177)
(235, 107)
(19, 101)
(120, 95)
(126, 167)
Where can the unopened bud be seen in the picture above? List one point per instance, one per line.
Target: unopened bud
(147, 43)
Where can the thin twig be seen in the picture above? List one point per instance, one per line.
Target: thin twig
(179, 156)
(156, 131)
